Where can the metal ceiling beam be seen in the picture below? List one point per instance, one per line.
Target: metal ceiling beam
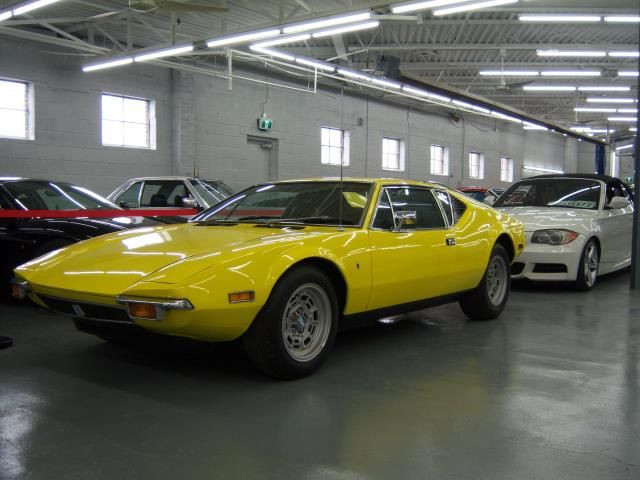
(493, 46)
(39, 37)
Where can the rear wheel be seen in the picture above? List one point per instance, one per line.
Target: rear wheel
(293, 333)
(489, 298)
(588, 268)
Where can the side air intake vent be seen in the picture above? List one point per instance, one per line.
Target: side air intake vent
(459, 208)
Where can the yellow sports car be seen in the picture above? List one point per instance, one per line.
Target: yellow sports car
(283, 264)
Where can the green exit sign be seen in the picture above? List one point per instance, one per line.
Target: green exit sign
(628, 179)
(265, 123)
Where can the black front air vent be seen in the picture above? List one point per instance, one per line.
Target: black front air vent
(459, 207)
(86, 310)
(550, 268)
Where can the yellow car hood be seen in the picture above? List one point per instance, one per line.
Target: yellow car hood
(109, 264)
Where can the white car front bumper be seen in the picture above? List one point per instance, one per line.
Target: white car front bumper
(543, 262)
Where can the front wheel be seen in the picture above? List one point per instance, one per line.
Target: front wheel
(293, 333)
(588, 268)
(489, 298)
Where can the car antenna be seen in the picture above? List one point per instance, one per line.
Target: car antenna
(340, 226)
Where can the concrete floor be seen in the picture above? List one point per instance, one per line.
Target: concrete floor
(550, 390)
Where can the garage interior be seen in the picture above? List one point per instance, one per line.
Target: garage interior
(549, 389)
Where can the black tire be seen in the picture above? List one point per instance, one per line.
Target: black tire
(272, 347)
(485, 302)
(589, 259)
(52, 245)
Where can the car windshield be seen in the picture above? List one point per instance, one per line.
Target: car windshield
(295, 203)
(211, 191)
(552, 192)
(42, 195)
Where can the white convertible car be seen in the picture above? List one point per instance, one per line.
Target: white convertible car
(578, 226)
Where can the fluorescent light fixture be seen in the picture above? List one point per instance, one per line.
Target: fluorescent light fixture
(502, 116)
(273, 53)
(594, 109)
(347, 28)
(622, 119)
(633, 129)
(540, 169)
(28, 7)
(462, 104)
(425, 93)
(415, 6)
(610, 100)
(472, 6)
(627, 73)
(509, 73)
(581, 129)
(571, 53)
(604, 89)
(532, 126)
(242, 37)
(351, 74)
(622, 18)
(165, 52)
(601, 130)
(624, 53)
(108, 64)
(558, 18)
(627, 110)
(570, 73)
(6, 15)
(478, 108)
(385, 83)
(624, 147)
(326, 22)
(549, 88)
(315, 64)
(284, 39)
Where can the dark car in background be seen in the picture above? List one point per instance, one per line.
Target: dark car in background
(170, 192)
(22, 239)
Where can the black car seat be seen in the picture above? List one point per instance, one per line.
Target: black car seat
(158, 201)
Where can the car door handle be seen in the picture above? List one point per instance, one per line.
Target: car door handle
(450, 241)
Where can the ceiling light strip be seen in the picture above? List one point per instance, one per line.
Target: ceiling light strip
(108, 64)
(326, 22)
(610, 100)
(165, 52)
(509, 73)
(622, 18)
(415, 6)
(597, 88)
(624, 53)
(284, 40)
(549, 88)
(570, 73)
(345, 29)
(30, 6)
(242, 37)
(622, 119)
(273, 53)
(624, 147)
(467, 7)
(558, 18)
(571, 53)
(540, 169)
(627, 73)
(594, 109)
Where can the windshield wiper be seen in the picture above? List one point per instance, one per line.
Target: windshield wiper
(214, 221)
(319, 219)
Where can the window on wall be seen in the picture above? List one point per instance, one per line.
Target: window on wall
(392, 154)
(506, 169)
(439, 160)
(128, 122)
(16, 112)
(334, 148)
(476, 165)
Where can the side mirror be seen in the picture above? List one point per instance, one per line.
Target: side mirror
(489, 200)
(404, 217)
(123, 204)
(618, 202)
(189, 202)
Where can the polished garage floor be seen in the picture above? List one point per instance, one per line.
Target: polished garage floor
(549, 391)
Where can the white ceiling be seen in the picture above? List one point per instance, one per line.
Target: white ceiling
(450, 49)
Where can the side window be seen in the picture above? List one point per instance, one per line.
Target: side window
(418, 200)
(131, 195)
(445, 201)
(163, 193)
(384, 215)
(614, 189)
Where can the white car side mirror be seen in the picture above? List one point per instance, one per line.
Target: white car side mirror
(618, 202)
(489, 200)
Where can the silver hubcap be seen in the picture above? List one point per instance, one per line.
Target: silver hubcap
(497, 280)
(591, 264)
(306, 322)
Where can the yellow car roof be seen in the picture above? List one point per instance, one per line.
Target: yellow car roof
(380, 181)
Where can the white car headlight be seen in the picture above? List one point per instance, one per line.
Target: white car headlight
(554, 237)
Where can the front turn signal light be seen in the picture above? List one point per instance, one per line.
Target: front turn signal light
(143, 310)
(239, 297)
